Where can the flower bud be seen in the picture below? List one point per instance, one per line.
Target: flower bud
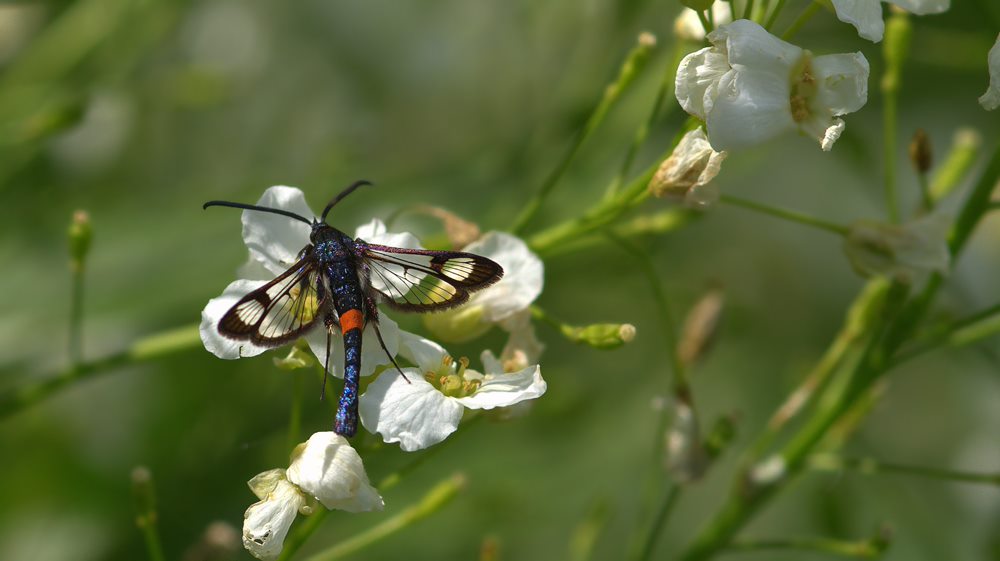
(298, 357)
(600, 335)
(901, 251)
(80, 236)
(722, 433)
(956, 163)
(686, 460)
(457, 325)
(700, 327)
(685, 175)
(920, 152)
(688, 26)
(460, 232)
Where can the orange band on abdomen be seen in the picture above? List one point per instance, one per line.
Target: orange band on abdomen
(351, 319)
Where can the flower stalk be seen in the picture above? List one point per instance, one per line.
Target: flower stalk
(634, 63)
(787, 214)
(870, 466)
(433, 501)
(80, 237)
(895, 50)
(145, 512)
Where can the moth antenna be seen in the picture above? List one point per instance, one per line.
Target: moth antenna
(350, 189)
(258, 208)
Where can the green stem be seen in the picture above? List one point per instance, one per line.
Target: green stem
(961, 333)
(747, 10)
(775, 12)
(706, 23)
(869, 466)
(926, 200)
(894, 49)
(786, 214)
(665, 91)
(864, 549)
(634, 63)
(803, 18)
(659, 523)
(586, 534)
(606, 211)
(896, 322)
(295, 411)
(76, 316)
(960, 158)
(148, 348)
(145, 516)
(858, 323)
(435, 499)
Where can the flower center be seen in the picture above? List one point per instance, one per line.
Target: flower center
(803, 88)
(449, 378)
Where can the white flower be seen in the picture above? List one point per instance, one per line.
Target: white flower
(903, 251)
(991, 99)
(426, 407)
(685, 176)
(688, 26)
(330, 470)
(866, 15)
(274, 242)
(326, 468)
(505, 303)
(266, 523)
(750, 86)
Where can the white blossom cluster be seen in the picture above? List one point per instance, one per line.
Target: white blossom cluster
(417, 411)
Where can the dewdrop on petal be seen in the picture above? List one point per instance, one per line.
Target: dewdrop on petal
(685, 175)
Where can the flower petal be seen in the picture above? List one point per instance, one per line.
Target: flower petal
(991, 99)
(688, 26)
(689, 168)
(266, 523)
(697, 78)
(842, 80)
(214, 342)
(274, 240)
(504, 390)
(424, 353)
(522, 347)
(750, 47)
(922, 7)
(329, 469)
(375, 232)
(413, 413)
(372, 355)
(750, 108)
(864, 15)
(523, 276)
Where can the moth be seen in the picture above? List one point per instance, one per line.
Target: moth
(338, 282)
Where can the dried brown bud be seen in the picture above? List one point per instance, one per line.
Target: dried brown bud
(700, 326)
(921, 154)
(460, 232)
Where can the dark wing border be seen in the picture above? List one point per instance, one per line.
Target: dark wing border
(457, 274)
(231, 325)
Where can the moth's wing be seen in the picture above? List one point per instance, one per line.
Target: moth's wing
(280, 311)
(421, 280)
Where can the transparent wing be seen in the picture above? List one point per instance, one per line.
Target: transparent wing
(281, 310)
(420, 280)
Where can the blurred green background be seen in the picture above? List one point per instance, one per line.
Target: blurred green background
(140, 110)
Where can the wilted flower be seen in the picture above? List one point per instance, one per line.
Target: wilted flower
(505, 303)
(903, 251)
(426, 406)
(750, 86)
(274, 242)
(688, 26)
(866, 15)
(991, 99)
(686, 174)
(325, 468)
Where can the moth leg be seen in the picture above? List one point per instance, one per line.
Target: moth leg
(371, 310)
(330, 321)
